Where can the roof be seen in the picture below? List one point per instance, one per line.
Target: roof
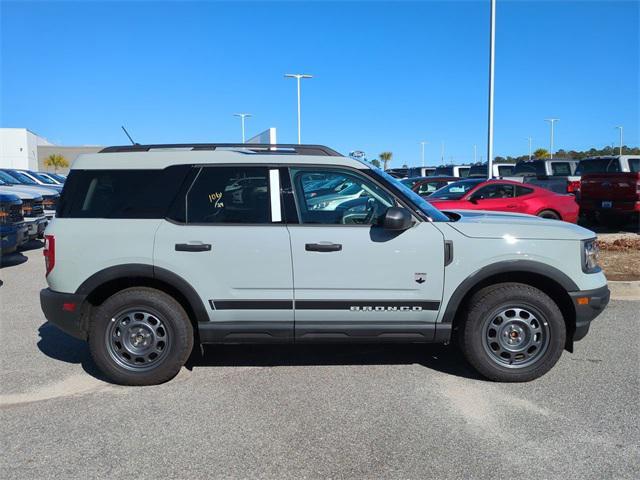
(165, 155)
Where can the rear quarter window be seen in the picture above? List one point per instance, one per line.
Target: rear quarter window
(634, 165)
(120, 193)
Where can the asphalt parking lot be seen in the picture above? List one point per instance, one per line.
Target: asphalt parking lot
(312, 412)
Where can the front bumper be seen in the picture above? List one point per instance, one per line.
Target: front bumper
(64, 310)
(35, 226)
(588, 305)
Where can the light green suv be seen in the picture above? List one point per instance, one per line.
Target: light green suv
(156, 248)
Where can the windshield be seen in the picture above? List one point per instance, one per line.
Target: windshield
(4, 176)
(22, 178)
(411, 182)
(523, 169)
(43, 178)
(456, 190)
(419, 202)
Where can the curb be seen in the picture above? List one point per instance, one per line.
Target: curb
(625, 290)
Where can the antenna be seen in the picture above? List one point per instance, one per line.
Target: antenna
(129, 136)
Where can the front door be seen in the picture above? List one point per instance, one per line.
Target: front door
(232, 247)
(353, 279)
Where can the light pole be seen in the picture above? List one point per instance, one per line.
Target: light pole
(551, 121)
(442, 152)
(423, 144)
(298, 77)
(529, 138)
(475, 154)
(621, 129)
(242, 117)
(492, 51)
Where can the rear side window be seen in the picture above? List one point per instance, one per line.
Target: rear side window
(634, 165)
(505, 170)
(520, 191)
(599, 165)
(229, 195)
(120, 193)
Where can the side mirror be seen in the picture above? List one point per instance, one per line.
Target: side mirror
(397, 218)
(473, 199)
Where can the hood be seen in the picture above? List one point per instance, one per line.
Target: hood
(8, 197)
(18, 192)
(34, 190)
(483, 224)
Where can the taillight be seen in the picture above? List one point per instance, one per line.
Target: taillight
(573, 187)
(49, 252)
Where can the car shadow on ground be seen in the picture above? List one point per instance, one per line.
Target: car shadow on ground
(12, 260)
(32, 245)
(56, 344)
(443, 358)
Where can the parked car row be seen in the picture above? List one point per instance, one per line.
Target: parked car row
(605, 189)
(28, 200)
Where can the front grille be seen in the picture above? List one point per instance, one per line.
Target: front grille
(15, 213)
(32, 208)
(50, 203)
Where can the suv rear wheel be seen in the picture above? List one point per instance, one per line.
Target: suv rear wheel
(512, 333)
(140, 336)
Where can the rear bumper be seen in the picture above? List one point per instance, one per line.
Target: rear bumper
(617, 207)
(587, 310)
(64, 310)
(36, 226)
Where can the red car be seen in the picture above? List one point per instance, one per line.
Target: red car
(505, 196)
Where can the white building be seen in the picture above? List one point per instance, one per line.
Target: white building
(22, 149)
(19, 148)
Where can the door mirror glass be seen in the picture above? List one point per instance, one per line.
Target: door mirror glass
(397, 218)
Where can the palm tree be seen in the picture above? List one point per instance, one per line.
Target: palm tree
(386, 159)
(56, 161)
(541, 153)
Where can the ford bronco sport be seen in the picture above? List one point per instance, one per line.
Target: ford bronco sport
(156, 248)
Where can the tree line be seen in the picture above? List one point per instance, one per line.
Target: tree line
(574, 154)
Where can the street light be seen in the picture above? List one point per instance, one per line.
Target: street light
(298, 77)
(529, 138)
(242, 117)
(423, 144)
(551, 121)
(621, 129)
(492, 51)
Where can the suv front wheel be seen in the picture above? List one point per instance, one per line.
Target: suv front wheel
(512, 333)
(140, 336)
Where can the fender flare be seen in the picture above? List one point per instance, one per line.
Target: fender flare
(141, 270)
(508, 266)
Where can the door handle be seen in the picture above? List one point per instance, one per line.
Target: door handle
(323, 247)
(193, 247)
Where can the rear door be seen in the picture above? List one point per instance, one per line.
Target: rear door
(227, 239)
(353, 279)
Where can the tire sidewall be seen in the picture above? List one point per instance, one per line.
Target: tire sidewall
(174, 319)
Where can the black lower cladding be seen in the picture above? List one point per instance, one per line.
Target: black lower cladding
(587, 312)
(364, 305)
(323, 331)
(64, 310)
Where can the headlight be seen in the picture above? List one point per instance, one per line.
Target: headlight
(590, 256)
(320, 206)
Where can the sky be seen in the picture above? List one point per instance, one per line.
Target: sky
(386, 75)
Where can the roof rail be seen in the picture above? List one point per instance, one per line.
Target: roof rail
(264, 148)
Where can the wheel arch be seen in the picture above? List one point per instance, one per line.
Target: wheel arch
(546, 278)
(101, 285)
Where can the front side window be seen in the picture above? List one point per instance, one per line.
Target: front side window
(229, 195)
(494, 191)
(352, 200)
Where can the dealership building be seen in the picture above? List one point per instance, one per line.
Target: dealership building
(21, 148)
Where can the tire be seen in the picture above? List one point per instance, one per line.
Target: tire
(550, 214)
(140, 336)
(526, 313)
